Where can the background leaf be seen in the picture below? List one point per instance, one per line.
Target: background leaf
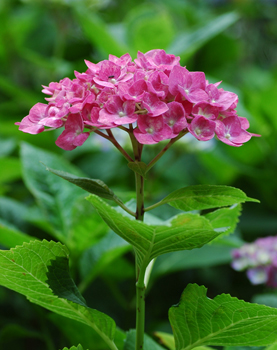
(72, 220)
(186, 44)
(198, 320)
(96, 259)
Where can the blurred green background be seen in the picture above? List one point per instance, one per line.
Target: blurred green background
(43, 41)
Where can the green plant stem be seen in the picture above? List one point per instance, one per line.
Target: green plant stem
(140, 197)
(123, 206)
(162, 152)
(140, 311)
(140, 272)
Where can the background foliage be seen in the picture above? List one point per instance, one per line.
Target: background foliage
(43, 41)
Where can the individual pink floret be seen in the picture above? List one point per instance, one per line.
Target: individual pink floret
(153, 105)
(118, 112)
(206, 110)
(133, 92)
(220, 98)
(26, 125)
(152, 130)
(92, 118)
(110, 75)
(190, 84)
(202, 128)
(122, 61)
(229, 131)
(157, 59)
(73, 134)
(158, 84)
(175, 117)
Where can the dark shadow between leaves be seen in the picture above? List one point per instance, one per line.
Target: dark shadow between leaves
(61, 283)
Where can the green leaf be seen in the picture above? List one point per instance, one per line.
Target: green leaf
(185, 231)
(10, 237)
(272, 347)
(11, 169)
(228, 217)
(39, 270)
(199, 197)
(166, 339)
(265, 299)
(149, 27)
(11, 333)
(149, 343)
(79, 347)
(209, 255)
(71, 219)
(87, 227)
(7, 146)
(139, 168)
(198, 320)
(77, 332)
(98, 257)
(186, 44)
(55, 196)
(97, 32)
(93, 186)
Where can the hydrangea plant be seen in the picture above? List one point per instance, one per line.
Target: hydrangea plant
(152, 99)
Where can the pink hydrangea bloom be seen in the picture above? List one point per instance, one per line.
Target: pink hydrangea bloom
(154, 95)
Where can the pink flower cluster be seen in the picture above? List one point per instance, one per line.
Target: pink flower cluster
(260, 260)
(154, 94)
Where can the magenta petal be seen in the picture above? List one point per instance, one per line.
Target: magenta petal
(71, 136)
(29, 127)
(178, 77)
(37, 112)
(144, 138)
(80, 139)
(153, 105)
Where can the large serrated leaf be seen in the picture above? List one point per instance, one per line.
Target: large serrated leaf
(223, 321)
(183, 232)
(199, 197)
(39, 270)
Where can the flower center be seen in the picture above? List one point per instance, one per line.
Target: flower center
(227, 136)
(149, 130)
(171, 122)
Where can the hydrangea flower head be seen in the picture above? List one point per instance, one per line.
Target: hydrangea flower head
(259, 259)
(153, 94)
